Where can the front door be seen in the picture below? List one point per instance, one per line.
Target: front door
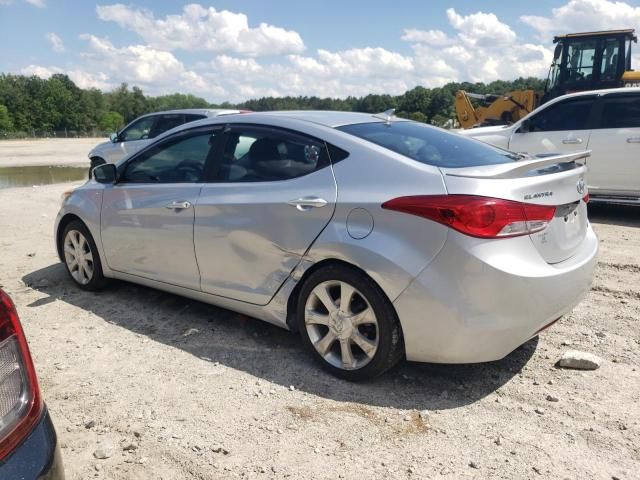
(614, 165)
(271, 194)
(147, 217)
(562, 127)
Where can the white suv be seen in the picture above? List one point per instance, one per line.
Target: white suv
(142, 130)
(607, 122)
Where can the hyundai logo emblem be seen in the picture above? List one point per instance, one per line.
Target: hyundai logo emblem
(581, 186)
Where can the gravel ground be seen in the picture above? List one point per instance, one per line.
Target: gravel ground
(47, 151)
(169, 388)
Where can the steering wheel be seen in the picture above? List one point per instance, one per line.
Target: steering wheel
(189, 170)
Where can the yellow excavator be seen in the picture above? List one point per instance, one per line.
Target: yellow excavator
(581, 61)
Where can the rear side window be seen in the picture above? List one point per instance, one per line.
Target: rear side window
(621, 111)
(430, 145)
(165, 123)
(253, 154)
(192, 117)
(572, 114)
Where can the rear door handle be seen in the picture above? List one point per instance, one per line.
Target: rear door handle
(179, 205)
(633, 140)
(571, 141)
(306, 203)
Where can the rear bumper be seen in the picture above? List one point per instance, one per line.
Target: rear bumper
(38, 457)
(478, 300)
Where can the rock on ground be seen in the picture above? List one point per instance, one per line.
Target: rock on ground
(579, 360)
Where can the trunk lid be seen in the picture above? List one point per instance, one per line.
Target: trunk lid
(556, 180)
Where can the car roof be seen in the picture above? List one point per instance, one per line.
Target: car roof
(209, 112)
(327, 118)
(604, 91)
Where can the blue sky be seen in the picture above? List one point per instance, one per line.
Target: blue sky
(232, 50)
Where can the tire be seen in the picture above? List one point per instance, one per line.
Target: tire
(77, 243)
(95, 161)
(368, 328)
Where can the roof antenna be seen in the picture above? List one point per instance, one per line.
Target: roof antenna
(387, 115)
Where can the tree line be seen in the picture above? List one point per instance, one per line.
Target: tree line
(30, 103)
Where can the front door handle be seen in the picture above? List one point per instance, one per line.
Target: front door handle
(633, 140)
(179, 205)
(571, 141)
(306, 203)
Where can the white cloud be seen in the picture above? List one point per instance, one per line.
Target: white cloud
(81, 78)
(584, 16)
(327, 74)
(205, 29)
(156, 71)
(35, 3)
(56, 42)
(479, 47)
(435, 38)
(483, 49)
(481, 29)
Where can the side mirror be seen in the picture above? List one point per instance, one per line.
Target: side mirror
(113, 137)
(106, 173)
(525, 127)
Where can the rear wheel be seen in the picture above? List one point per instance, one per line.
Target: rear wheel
(81, 257)
(348, 323)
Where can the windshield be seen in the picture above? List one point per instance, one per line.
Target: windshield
(430, 145)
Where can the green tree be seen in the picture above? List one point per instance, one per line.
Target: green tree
(111, 121)
(5, 120)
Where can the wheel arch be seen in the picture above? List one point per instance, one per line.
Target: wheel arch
(64, 221)
(292, 301)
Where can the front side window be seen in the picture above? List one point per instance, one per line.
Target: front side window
(621, 111)
(570, 114)
(429, 145)
(138, 130)
(180, 160)
(580, 57)
(264, 155)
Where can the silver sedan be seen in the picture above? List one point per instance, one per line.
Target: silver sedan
(374, 237)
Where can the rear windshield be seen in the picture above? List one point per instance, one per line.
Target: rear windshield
(430, 145)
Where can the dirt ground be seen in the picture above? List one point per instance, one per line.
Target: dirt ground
(47, 151)
(169, 388)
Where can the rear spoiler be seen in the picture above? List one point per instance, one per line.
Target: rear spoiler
(517, 168)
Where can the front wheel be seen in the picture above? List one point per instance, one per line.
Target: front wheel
(81, 257)
(348, 323)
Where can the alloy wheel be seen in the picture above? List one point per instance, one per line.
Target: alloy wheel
(341, 325)
(78, 257)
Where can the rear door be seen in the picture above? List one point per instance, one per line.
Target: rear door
(614, 166)
(562, 127)
(147, 217)
(270, 194)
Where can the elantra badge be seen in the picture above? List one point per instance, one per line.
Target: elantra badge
(533, 196)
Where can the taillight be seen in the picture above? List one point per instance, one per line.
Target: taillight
(585, 199)
(482, 217)
(20, 401)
